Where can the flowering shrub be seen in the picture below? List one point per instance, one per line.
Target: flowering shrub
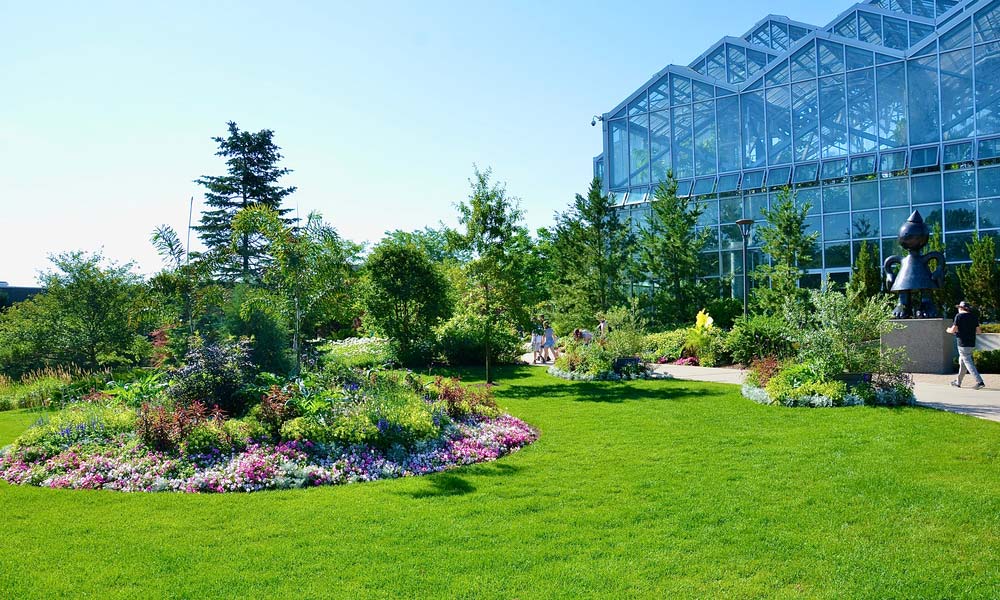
(762, 370)
(125, 464)
(626, 375)
(665, 347)
(81, 424)
(163, 428)
(213, 373)
(464, 401)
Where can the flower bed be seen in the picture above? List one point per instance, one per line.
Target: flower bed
(629, 375)
(125, 464)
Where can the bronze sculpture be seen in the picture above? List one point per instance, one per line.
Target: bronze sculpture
(914, 280)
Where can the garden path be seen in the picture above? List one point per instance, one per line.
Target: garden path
(932, 391)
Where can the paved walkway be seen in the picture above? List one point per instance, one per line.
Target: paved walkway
(932, 391)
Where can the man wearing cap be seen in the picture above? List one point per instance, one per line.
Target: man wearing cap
(965, 328)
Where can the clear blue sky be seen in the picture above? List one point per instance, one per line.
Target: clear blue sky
(381, 110)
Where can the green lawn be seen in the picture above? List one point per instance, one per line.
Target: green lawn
(651, 489)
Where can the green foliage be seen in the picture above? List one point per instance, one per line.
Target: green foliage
(626, 331)
(360, 352)
(950, 293)
(981, 280)
(796, 383)
(785, 241)
(668, 253)
(206, 437)
(759, 337)
(463, 401)
(866, 277)
(241, 432)
(213, 373)
(404, 297)
(666, 346)
(251, 178)
(987, 361)
(91, 316)
(134, 393)
(77, 424)
(254, 314)
(462, 340)
(590, 253)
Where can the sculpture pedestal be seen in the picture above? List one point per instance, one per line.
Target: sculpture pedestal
(929, 348)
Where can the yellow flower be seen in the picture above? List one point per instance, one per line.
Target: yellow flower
(704, 321)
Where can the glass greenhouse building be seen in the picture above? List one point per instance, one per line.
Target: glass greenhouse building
(894, 106)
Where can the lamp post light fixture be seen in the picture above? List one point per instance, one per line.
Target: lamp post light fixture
(597, 119)
(745, 225)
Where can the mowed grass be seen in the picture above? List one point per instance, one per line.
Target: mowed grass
(651, 489)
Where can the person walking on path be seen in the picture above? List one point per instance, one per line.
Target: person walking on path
(549, 344)
(965, 328)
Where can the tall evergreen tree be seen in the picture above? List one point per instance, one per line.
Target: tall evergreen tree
(591, 249)
(950, 292)
(786, 240)
(981, 279)
(866, 276)
(668, 248)
(252, 173)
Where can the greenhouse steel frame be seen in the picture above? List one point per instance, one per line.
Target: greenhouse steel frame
(894, 106)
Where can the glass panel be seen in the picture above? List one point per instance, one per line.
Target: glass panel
(865, 225)
(895, 192)
(762, 36)
(891, 247)
(831, 57)
(988, 22)
(659, 94)
(754, 148)
(987, 90)
(931, 214)
(708, 262)
(924, 157)
(659, 143)
(753, 180)
(737, 63)
(834, 169)
(756, 61)
(959, 185)
(836, 198)
(680, 90)
(891, 105)
(805, 120)
(864, 195)
(959, 216)
(989, 213)
(729, 183)
(958, 153)
(754, 206)
(796, 33)
(956, 94)
(989, 182)
(730, 210)
(882, 59)
(848, 27)
(895, 33)
(715, 65)
(809, 197)
(703, 91)
(684, 188)
(988, 149)
(861, 117)
(619, 153)
(779, 36)
(924, 8)
(893, 219)
(927, 50)
(804, 63)
(704, 138)
(779, 177)
(837, 255)
(837, 227)
(919, 31)
(959, 37)
(923, 105)
(892, 162)
(639, 149)
(637, 196)
(858, 58)
(870, 28)
(777, 75)
(728, 115)
(957, 246)
(779, 127)
(682, 147)
(832, 110)
(806, 173)
(639, 104)
(703, 186)
(925, 189)
(863, 165)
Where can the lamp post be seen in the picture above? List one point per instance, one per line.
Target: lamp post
(745, 225)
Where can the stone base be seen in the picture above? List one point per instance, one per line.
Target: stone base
(929, 348)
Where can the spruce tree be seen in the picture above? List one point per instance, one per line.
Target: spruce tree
(591, 250)
(866, 277)
(981, 279)
(790, 247)
(252, 173)
(668, 249)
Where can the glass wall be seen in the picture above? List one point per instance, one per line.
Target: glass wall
(862, 136)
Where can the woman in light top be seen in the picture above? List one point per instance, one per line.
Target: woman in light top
(549, 344)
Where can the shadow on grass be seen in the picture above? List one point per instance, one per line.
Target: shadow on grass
(611, 392)
(478, 374)
(451, 483)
